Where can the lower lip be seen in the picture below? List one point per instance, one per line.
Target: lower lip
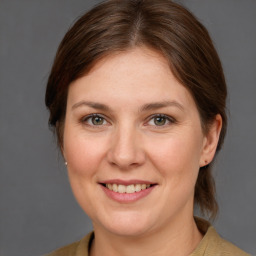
(127, 197)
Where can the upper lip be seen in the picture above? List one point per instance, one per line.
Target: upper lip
(126, 182)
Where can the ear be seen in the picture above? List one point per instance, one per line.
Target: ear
(211, 140)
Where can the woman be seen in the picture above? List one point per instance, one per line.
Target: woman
(137, 99)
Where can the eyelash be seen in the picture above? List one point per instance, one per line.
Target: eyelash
(167, 120)
(85, 120)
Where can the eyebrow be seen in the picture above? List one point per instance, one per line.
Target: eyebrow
(163, 104)
(146, 107)
(91, 104)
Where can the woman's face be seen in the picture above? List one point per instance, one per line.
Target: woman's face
(134, 144)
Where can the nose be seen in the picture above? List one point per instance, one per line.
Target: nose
(126, 148)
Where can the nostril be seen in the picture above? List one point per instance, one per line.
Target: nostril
(125, 151)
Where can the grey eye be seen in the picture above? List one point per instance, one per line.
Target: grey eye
(97, 120)
(160, 120)
(94, 120)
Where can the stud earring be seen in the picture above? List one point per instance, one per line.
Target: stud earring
(66, 163)
(205, 164)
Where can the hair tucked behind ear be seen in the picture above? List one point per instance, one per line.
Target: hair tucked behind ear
(118, 25)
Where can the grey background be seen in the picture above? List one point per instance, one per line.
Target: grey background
(37, 210)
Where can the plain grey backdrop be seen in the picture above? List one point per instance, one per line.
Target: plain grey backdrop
(37, 210)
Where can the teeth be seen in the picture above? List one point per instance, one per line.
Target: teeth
(143, 186)
(109, 186)
(127, 189)
(121, 189)
(137, 187)
(114, 187)
(130, 189)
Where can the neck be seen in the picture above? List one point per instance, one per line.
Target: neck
(180, 238)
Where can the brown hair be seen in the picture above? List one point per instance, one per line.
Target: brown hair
(118, 25)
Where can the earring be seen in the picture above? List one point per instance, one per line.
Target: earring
(205, 164)
(66, 163)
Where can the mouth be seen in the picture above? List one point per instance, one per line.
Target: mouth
(128, 189)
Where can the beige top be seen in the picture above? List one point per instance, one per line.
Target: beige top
(211, 245)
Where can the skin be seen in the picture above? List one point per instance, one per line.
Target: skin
(130, 144)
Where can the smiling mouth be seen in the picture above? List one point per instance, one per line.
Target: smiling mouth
(133, 188)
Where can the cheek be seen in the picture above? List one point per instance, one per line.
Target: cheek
(83, 154)
(177, 156)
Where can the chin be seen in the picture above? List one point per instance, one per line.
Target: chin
(128, 224)
(134, 230)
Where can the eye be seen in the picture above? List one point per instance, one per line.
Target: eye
(160, 120)
(94, 120)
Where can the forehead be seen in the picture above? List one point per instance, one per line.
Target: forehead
(134, 75)
(135, 55)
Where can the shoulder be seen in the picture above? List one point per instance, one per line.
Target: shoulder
(66, 250)
(213, 244)
(79, 248)
(230, 249)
